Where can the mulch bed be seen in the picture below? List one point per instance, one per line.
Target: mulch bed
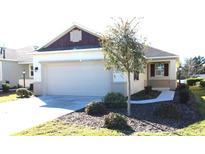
(142, 95)
(142, 119)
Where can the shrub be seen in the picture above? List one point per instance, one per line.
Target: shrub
(202, 83)
(182, 86)
(193, 81)
(148, 89)
(95, 108)
(115, 100)
(5, 87)
(168, 111)
(23, 93)
(31, 87)
(19, 86)
(115, 121)
(184, 95)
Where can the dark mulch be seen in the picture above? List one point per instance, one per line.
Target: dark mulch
(143, 95)
(142, 118)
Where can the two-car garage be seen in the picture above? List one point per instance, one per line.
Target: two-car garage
(87, 78)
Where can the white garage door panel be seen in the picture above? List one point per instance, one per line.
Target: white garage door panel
(80, 79)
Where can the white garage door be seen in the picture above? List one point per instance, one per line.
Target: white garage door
(77, 78)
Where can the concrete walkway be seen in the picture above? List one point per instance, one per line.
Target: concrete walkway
(165, 95)
(18, 115)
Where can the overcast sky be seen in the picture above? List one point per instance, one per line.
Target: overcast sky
(174, 26)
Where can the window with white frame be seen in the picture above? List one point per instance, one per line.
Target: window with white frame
(118, 76)
(159, 69)
(31, 71)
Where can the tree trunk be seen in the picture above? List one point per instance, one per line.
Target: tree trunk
(128, 93)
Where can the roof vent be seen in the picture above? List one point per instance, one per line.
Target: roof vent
(75, 35)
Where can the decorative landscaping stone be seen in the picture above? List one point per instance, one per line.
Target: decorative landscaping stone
(142, 118)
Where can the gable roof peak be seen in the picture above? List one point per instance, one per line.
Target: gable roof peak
(74, 25)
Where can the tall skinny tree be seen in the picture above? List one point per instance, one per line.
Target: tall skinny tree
(123, 50)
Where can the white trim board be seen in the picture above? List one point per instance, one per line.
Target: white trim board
(68, 51)
(13, 60)
(1, 73)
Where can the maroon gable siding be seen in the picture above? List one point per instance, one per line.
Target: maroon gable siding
(88, 41)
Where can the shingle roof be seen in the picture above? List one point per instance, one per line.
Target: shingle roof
(151, 52)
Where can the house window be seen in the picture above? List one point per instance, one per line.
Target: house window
(118, 77)
(136, 75)
(31, 71)
(159, 69)
(75, 35)
(1, 50)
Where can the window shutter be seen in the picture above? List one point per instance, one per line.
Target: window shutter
(166, 69)
(136, 75)
(152, 70)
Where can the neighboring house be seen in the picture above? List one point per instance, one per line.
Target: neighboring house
(13, 62)
(73, 64)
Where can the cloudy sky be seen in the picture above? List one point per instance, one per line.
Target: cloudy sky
(175, 26)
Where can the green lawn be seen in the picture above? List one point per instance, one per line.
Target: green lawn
(7, 97)
(200, 96)
(197, 129)
(142, 95)
(58, 128)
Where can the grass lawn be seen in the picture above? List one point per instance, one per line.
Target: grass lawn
(197, 129)
(58, 128)
(200, 96)
(7, 97)
(142, 95)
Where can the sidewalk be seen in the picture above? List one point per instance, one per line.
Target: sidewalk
(165, 95)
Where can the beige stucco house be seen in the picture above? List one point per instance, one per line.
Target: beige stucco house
(73, 64)
(13, 62)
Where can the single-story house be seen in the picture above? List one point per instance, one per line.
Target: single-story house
(13, 62)
(73, 64)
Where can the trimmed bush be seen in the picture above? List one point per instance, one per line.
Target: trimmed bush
(182, 86)
(95, 108)
(184, 95)
(193, 81)
(23, 93)
(148, 89)
(115, 121)
(5, 87)
(115, 100)
(168, 111)
(19, 86)
(31, 86)
(202, 83)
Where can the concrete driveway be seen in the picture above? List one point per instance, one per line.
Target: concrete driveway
(25, 113)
